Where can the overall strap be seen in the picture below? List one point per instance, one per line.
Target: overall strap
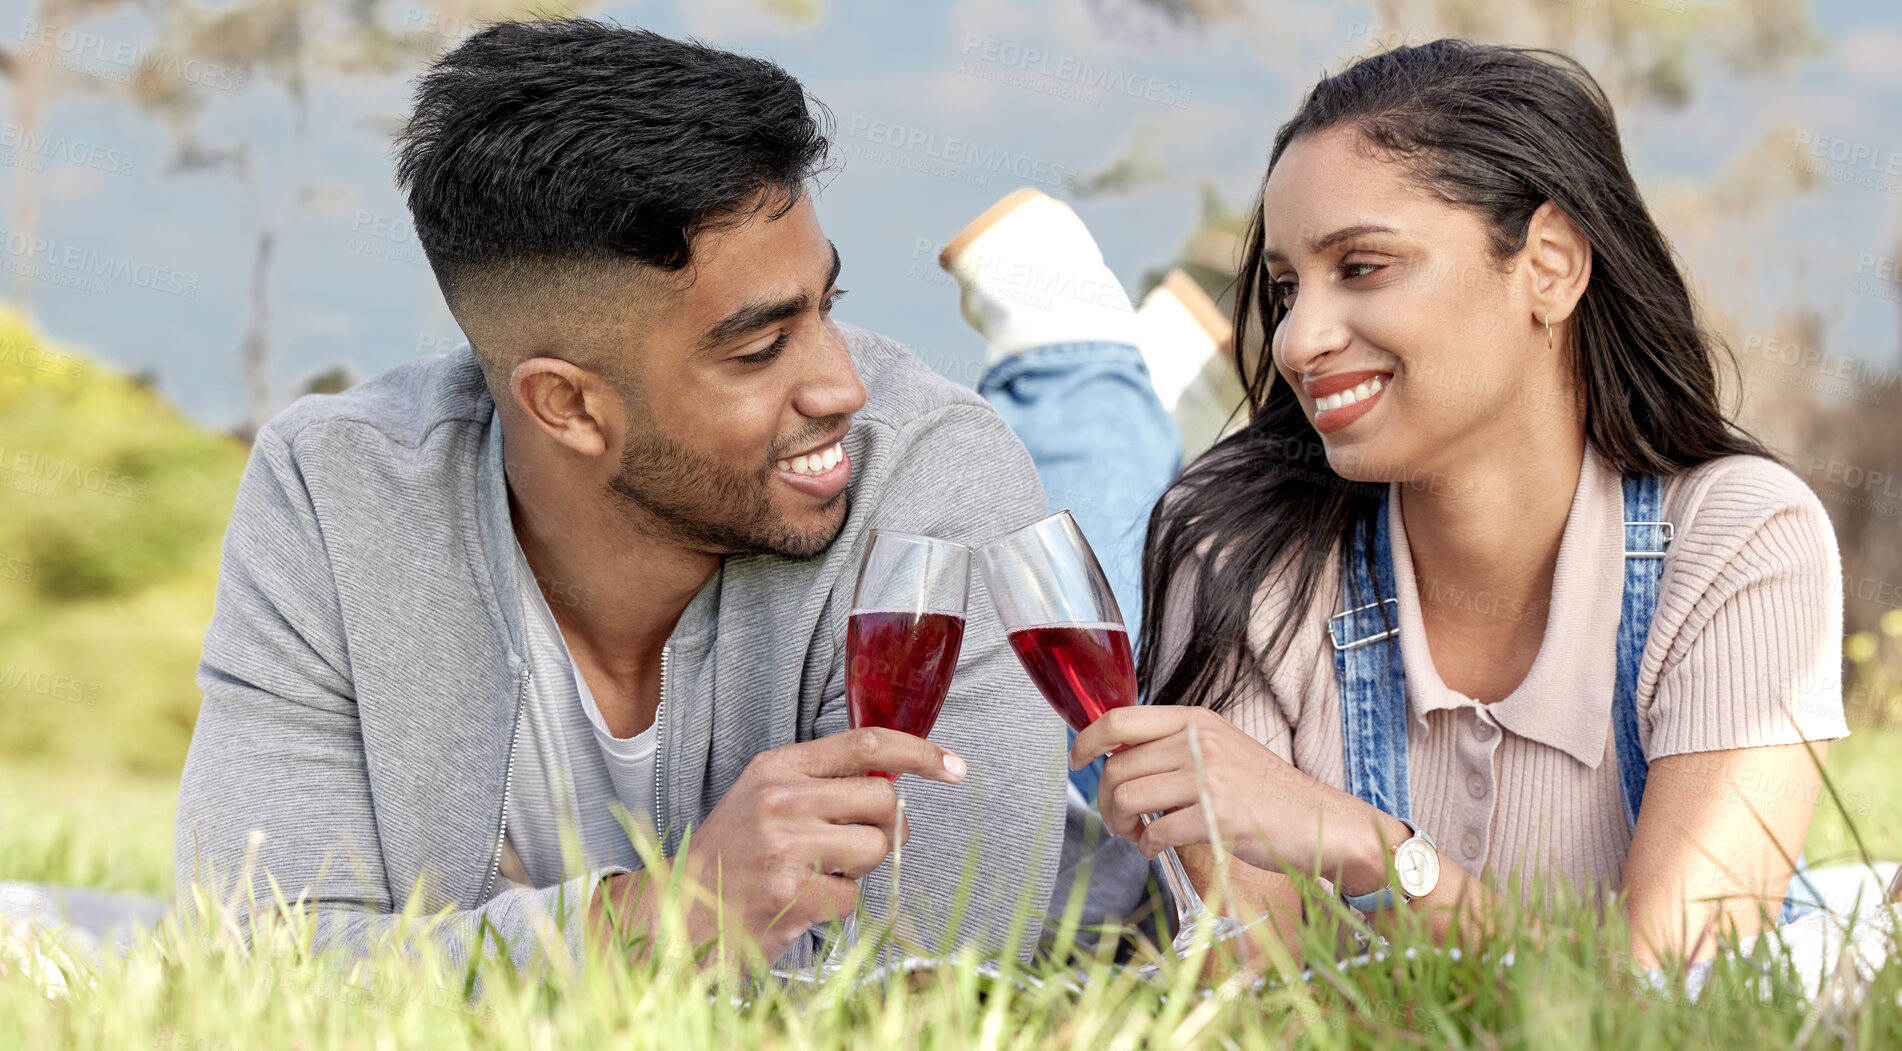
(1647, 535)
(1367, 662)
(1366, 637)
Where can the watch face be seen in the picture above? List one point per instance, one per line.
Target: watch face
(1418, 866)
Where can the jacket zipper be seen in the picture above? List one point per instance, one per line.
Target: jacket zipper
(660, 746)
(508, 783)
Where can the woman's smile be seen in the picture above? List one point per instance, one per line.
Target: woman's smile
(1341, 398)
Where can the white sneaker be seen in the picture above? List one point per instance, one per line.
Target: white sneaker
(1189, 346)
(1031, 275)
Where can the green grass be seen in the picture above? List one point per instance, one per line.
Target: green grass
(202, 989)
(1864, 769)
(102, 829)
(198, 989)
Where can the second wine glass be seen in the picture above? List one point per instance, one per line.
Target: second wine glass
(1065, 626)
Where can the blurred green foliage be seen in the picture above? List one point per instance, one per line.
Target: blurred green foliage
(112, 508)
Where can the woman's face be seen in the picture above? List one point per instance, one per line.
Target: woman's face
(1416, 354)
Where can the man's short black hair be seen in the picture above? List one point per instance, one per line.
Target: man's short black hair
(578, 141)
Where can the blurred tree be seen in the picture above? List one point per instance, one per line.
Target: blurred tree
(1647, 55)
(1132, 169)
(793, 12)
(333, 380)
(295, 46)
(111, 526)
(38, 74)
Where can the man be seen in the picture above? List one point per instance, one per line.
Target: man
(474, 610)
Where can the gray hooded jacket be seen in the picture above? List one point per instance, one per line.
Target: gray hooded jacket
(364, 672)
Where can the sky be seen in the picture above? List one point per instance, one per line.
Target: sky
(147, 267)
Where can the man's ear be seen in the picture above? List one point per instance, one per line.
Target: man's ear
(1560, 259)
(574, 406)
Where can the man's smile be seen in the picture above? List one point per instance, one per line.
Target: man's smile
(821, 473)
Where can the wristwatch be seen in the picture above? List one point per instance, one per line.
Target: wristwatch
(1416, 865)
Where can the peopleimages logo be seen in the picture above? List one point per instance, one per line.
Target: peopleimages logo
(1844, 151)
(1012, 280)
(16, 679)
(1819, 371)
(72, 151)
(30, 355)
(1851, 163)
(1878, 276)
(1854, 476)
(87, 263)
(959, 152)
(33, 466)
(1089, 78)
(68, 50)
(1857, 486)
(386, 237)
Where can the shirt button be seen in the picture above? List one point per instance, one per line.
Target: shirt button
(1482, 729)
(1471, 845)
(1476, 785)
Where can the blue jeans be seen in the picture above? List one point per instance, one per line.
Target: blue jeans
(1104, 447)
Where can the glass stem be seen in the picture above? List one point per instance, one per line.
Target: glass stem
(1189, 904)
(849, 928)
(848, 937)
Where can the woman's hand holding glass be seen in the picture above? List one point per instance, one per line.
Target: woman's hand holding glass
(1068, 632)
(1267, 813)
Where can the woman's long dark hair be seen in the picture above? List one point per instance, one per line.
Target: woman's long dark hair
(1498, 130)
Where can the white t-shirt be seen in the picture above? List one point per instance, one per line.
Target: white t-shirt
(569, 769)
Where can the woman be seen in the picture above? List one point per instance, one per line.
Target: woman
(1412, 587)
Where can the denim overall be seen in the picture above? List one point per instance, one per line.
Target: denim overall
(1366, 637)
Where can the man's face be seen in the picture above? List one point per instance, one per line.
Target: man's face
(740, 393)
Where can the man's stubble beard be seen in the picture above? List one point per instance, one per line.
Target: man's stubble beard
(704, 505)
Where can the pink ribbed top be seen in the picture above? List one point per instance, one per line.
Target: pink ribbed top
(1744, 651)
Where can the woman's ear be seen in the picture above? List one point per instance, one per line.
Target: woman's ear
(1559, 261)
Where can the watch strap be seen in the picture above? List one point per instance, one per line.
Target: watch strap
(1384, 898)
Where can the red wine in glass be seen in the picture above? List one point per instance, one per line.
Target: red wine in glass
(1083, 670)
(901, 648)
(898, 669)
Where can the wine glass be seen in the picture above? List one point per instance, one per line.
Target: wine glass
(1063, 622)
(901, 647)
